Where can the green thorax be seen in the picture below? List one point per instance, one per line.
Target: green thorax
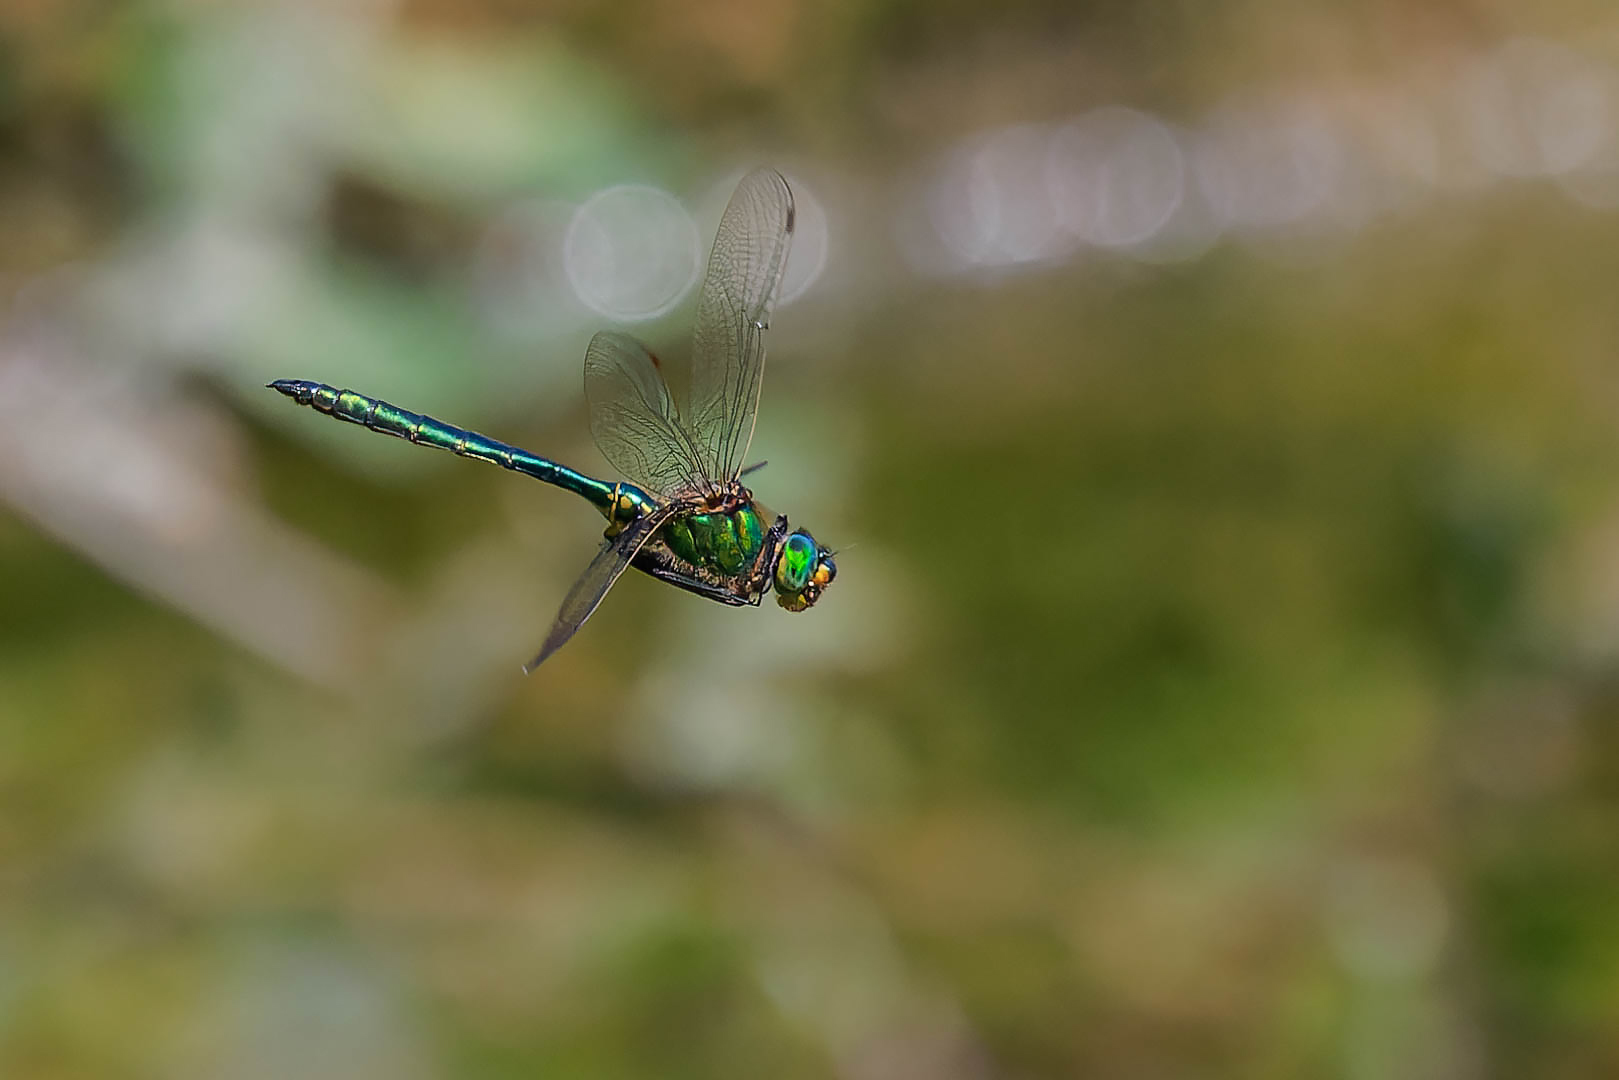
(726, 543)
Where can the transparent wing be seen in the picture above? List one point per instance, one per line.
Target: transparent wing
(586, 594)
(634, 420)
(739, 291)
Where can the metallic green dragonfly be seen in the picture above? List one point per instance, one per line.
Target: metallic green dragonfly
(684, 516)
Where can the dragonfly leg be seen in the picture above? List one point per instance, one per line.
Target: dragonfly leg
(702, 588)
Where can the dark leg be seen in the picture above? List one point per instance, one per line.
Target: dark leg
(694, 585)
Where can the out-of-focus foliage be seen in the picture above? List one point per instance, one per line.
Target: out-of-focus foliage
(1220, 676)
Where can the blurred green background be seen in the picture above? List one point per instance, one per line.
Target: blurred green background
(1213, 405)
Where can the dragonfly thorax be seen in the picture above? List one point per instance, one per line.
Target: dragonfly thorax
(725, 541)
(728, 498)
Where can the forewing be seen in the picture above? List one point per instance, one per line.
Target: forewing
(586, 594)
(634, 419)
(739, 291)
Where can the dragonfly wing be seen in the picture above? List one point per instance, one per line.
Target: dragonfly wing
(634, 419)
(586, 594)
(739, 291)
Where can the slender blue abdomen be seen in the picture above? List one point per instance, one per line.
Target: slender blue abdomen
(389, 419)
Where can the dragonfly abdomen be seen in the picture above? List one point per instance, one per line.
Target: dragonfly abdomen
(379, 415)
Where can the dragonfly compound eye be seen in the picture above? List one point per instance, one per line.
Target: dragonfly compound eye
(795, 563)
(802, 571)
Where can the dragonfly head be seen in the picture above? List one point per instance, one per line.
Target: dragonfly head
(803, 569)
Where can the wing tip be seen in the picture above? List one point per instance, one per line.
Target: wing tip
(792, 203)
(545, 654)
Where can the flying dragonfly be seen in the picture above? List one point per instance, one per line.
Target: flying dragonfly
(683, 515)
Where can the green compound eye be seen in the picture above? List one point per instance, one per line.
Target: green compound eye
(797, 560)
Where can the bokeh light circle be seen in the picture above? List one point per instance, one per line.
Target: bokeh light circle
(1116, 176)
(1537, 108)
(1268, 166)
(631, 252)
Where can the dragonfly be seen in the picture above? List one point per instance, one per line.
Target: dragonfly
(682, 514)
